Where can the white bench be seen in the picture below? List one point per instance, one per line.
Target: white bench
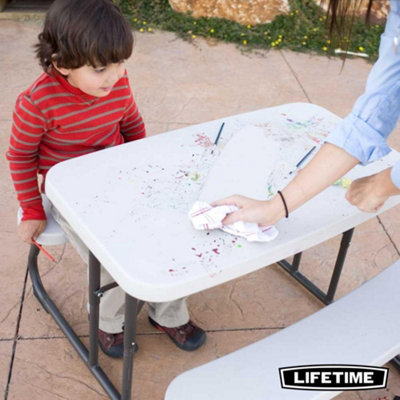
(53, 235)
(361, 328)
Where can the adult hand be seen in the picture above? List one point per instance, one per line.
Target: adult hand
(370, 193)
(249, 210)
(30, 230)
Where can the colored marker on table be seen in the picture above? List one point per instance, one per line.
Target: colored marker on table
(302, 160)
(216, 140)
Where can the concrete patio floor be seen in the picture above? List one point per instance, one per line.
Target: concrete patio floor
(176, 84)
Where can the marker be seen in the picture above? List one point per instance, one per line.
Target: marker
(50, 257)
(302, 160)
(216, 140)
(352, 53)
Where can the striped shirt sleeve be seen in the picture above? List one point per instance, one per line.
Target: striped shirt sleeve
(132, 125)
(28, 128)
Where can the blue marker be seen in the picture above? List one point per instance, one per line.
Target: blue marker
(302, 160)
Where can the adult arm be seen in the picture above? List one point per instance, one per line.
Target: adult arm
(360, 137)
(328, 165)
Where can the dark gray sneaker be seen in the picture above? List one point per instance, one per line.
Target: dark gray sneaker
(187, 337)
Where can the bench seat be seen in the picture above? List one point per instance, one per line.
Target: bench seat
(361, 328)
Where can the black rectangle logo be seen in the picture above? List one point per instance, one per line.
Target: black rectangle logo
(333, 377)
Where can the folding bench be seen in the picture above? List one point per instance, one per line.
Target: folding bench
(361, 328)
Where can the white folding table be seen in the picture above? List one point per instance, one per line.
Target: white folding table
(129, 204)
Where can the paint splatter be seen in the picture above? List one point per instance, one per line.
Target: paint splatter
(203, 140)
(215, 251)
(343, 182)
(196, 176)
(314, 139)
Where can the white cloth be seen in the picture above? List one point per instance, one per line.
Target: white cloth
(205, 217)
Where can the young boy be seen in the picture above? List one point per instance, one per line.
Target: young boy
(80, 104)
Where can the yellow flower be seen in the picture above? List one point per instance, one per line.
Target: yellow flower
(245, 41)
(194, 23)
(280, 36)
(149, 29)
(212, 30)
(324, 48)
(144, 22)
(141, 30)
(249, 26)
(265, 33)
(303, 43)
(134, 19)
(292, 13)
(315, 29)
(297, 11)
(193, 36)
(361, 48)
(305, 37)
(328, 41)
(273, 44)
(242, 34)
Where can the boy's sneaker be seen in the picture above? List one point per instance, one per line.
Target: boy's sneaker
(112, 344)
(187, 337)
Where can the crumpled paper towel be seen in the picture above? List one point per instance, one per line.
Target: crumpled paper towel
(205, 217)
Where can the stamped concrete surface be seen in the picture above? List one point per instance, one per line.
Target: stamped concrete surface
(175, 84)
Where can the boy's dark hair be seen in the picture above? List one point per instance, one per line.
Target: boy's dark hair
(84, 32)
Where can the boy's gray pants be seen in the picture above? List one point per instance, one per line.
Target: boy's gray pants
(112, 304)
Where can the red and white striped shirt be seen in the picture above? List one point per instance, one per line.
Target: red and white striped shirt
(55, 121)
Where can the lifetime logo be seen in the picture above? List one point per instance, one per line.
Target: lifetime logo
(333, 377)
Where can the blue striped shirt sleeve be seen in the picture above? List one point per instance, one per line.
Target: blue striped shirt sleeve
(364, 131)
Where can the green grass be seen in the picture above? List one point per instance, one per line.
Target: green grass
(303, 29)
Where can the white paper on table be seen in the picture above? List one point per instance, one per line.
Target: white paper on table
(248, 165)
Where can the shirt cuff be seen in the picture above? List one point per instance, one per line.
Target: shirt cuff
(33, 211)
(359, 139)
(395, 174)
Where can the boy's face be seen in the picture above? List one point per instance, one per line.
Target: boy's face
(97, 81)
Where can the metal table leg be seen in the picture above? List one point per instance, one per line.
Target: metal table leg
(293, 270)
(90, 358)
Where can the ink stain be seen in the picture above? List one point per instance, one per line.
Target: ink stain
(215, 251)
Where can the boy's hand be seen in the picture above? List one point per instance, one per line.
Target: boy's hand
(31, 229)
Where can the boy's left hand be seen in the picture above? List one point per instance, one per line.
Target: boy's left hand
(31, 229)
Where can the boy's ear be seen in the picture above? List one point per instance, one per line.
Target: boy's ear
(61, 70)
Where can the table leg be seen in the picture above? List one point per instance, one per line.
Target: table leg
(131, 311)
(293, 270)
(344, 245)
(94, 305)
(47, 303)
(396, 362)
